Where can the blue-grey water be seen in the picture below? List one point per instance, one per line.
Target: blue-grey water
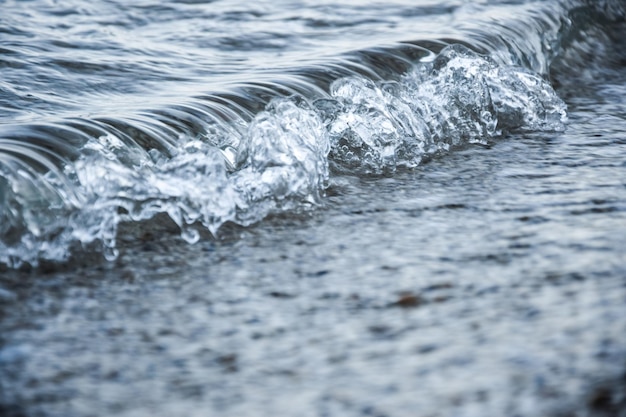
(297, 208)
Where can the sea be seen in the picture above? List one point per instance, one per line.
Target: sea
(313, 208)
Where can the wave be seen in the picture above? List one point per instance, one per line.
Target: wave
(270, 146)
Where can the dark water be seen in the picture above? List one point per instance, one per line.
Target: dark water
(283, 208)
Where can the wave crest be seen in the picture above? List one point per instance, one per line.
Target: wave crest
(278, 161)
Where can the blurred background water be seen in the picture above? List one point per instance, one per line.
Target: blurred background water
(305, 208)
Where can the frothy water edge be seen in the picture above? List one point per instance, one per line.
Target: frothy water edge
(270, 147)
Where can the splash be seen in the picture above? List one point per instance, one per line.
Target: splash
(460, 97)
(280, 161)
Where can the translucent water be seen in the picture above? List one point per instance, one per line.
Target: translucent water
(241, 171)
(312, 209)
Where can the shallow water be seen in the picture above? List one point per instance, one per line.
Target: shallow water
(416, 234)
(97, 132)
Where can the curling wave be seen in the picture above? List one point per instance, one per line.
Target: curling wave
(270, 147)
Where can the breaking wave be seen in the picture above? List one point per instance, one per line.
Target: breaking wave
(270, 146)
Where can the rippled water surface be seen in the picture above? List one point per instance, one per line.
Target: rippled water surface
(79, 59)
(313, 209)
